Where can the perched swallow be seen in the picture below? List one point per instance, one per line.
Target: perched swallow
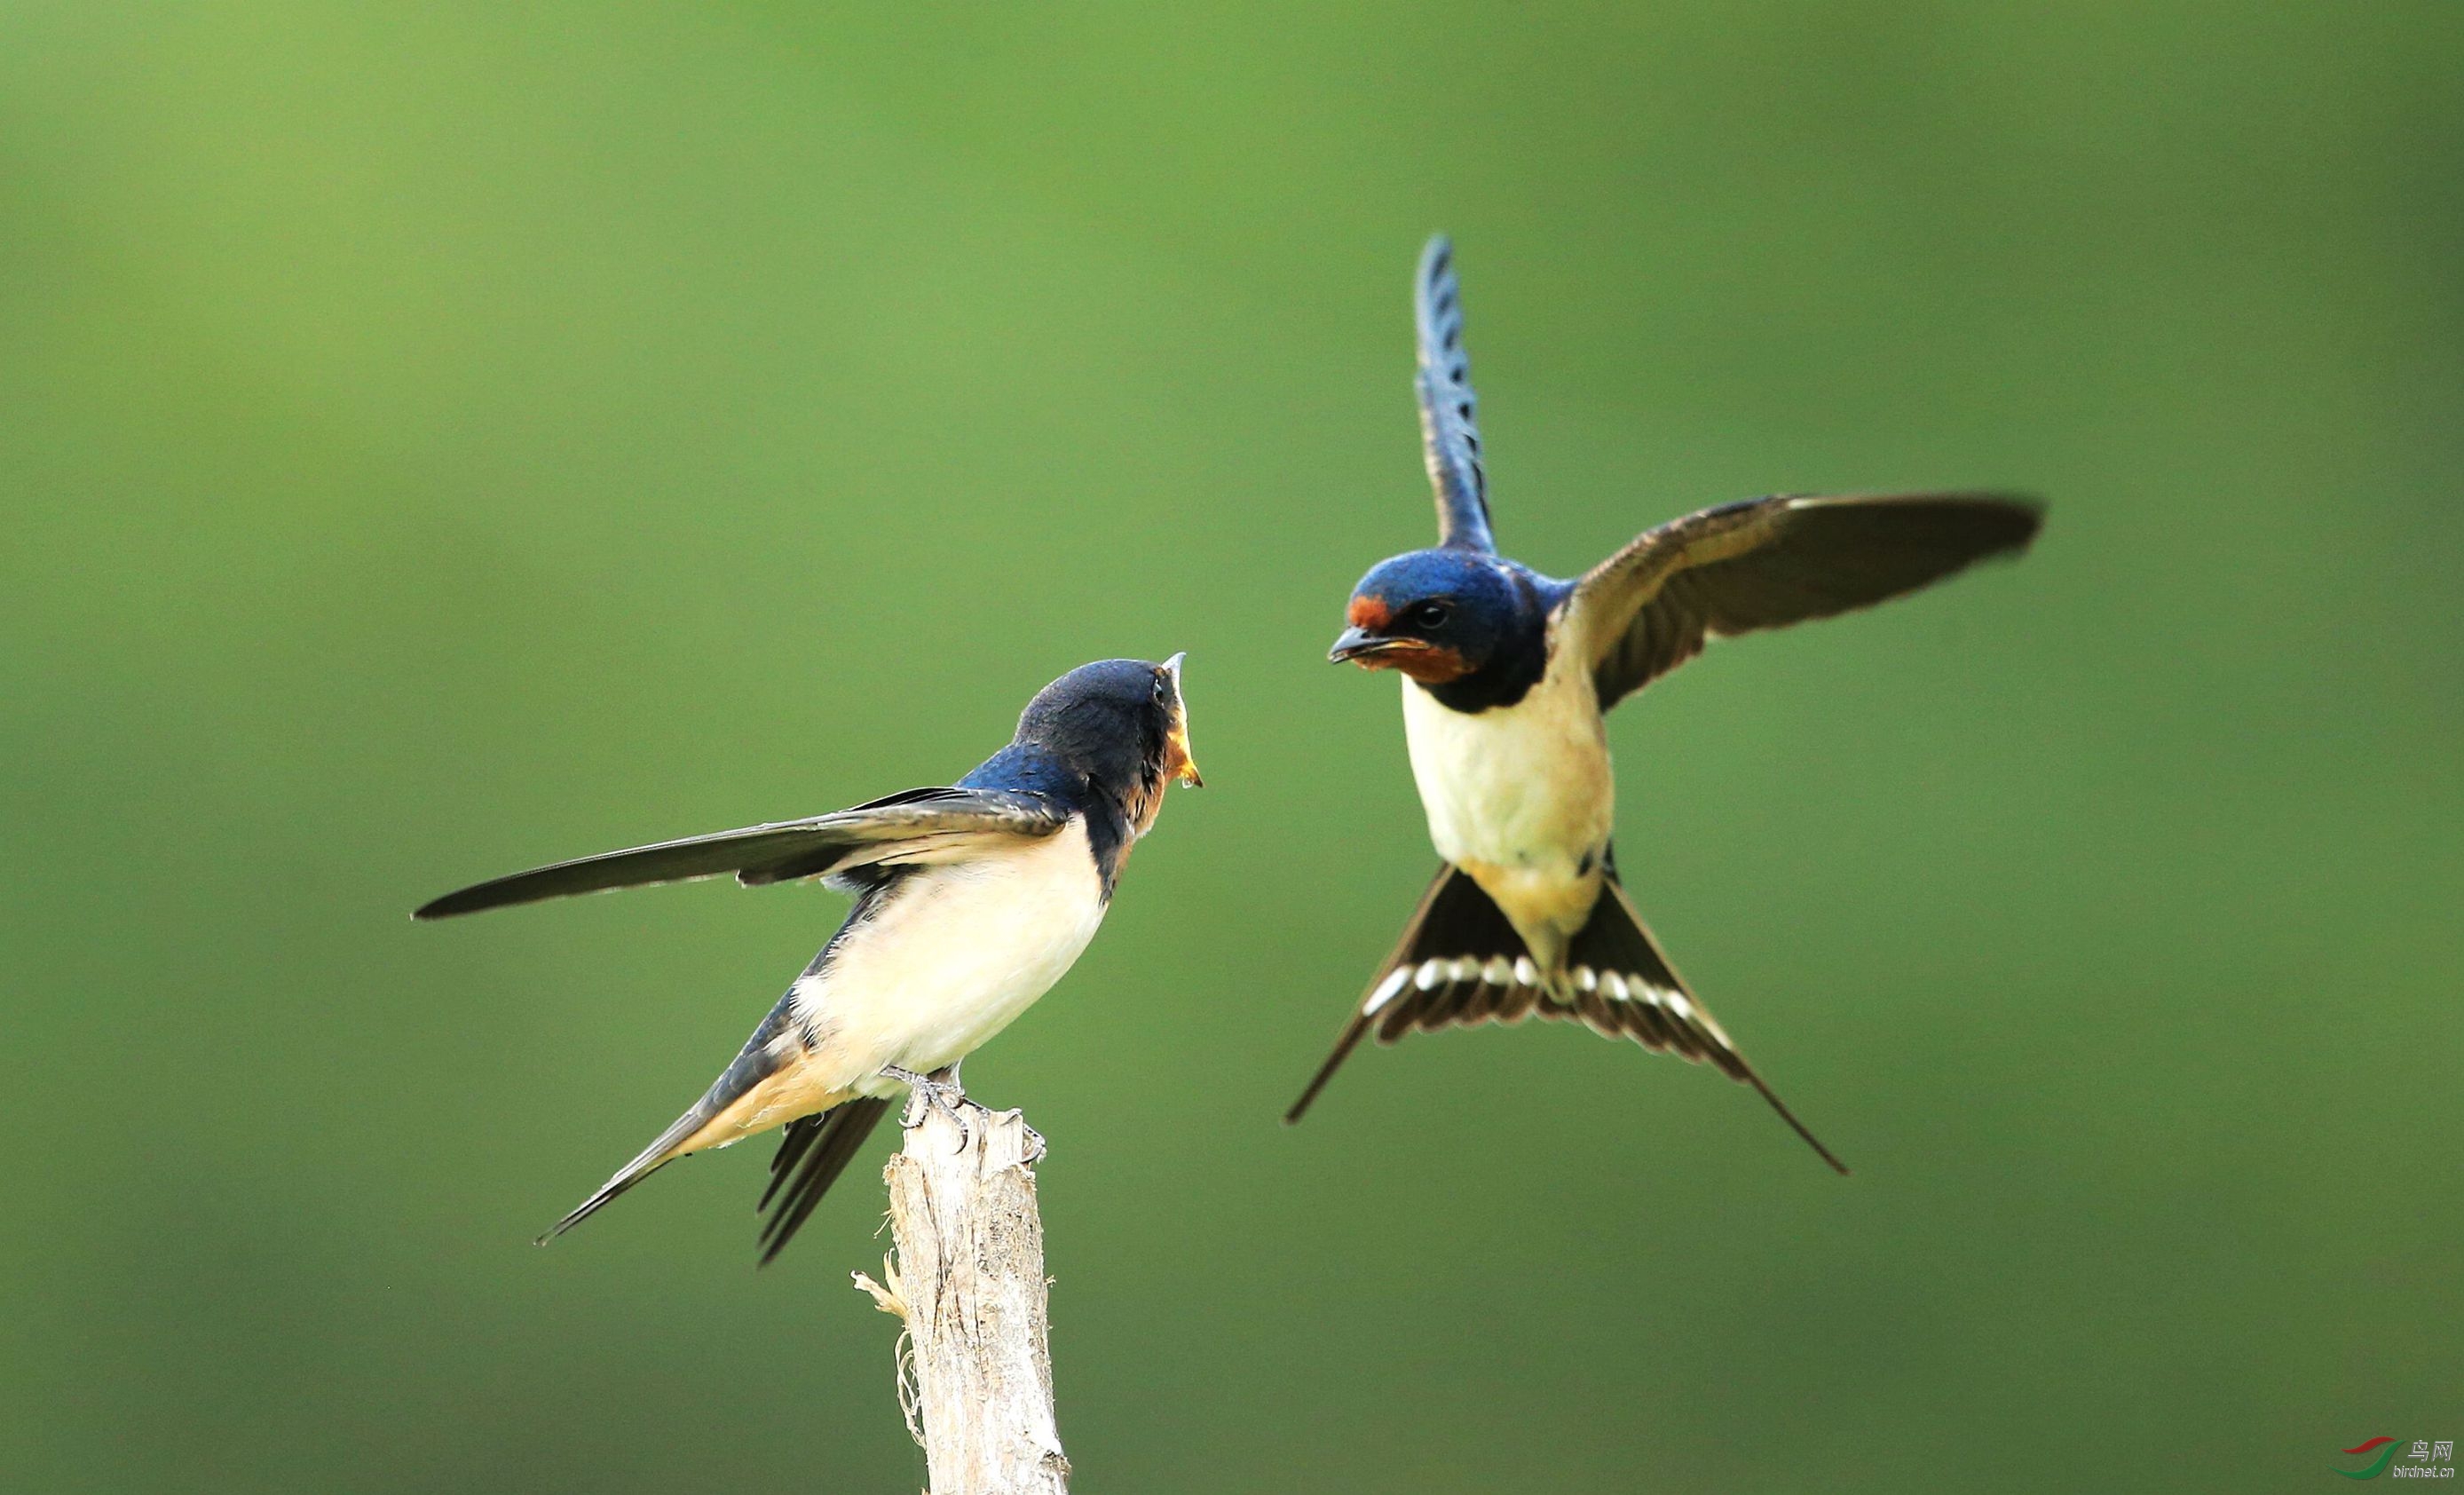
(970, 901)
(1507, 676)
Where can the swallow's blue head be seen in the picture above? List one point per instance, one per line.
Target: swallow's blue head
(1120, 723)
(1447, 616)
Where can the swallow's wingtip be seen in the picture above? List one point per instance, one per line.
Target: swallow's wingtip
(2036, 506)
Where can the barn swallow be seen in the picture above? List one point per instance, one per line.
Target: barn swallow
(970, 901)
(1507, 677)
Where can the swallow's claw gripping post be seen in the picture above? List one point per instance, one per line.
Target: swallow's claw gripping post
(929, 1092)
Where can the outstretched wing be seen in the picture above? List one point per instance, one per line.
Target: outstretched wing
(1768, 562)
(918, 825)
(1449, 420)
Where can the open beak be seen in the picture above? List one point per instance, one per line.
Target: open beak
(1364, 647)
(1178, 763)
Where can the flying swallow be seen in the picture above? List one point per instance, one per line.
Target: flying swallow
(971, 901)
(1507, 677)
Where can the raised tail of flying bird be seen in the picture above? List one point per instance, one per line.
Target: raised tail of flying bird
(1660, 1011)
(1461, 964)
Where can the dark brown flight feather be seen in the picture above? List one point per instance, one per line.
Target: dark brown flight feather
(902, 826)
(1449, 411)
(1770, 563)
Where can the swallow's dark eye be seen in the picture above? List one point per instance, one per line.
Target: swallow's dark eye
(1430, 615)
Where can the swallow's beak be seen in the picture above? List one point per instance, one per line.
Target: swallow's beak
(1366, 648)
(1178, 763)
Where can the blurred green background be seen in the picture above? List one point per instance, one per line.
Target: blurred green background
(436, 440)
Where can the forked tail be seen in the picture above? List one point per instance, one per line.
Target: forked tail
(1461, 964)
(1624, 984)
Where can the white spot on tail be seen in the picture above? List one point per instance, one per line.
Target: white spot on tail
(1387, 990)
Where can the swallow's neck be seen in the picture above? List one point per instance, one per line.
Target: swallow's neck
(1118, 814)
(1507, 676)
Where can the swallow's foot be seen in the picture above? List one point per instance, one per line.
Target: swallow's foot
(930, 1092)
